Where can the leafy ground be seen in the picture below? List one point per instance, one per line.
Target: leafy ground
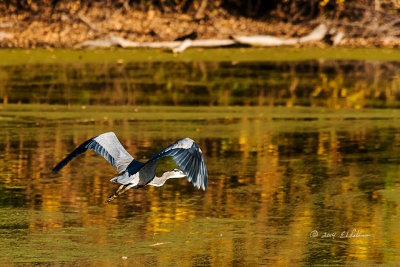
(66, 24)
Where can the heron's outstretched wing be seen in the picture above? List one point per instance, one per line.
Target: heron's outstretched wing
(108, 146)
(189, 158)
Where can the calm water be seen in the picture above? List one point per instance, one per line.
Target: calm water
(356, 84)
(287, 185)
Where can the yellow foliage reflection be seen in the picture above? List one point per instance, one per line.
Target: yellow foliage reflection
(274, 180)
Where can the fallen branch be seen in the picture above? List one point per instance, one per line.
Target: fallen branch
(316, 35)
(112, 41)
(265, 40)
(185, 44)
(338, 38)
(6, 35)
(213, 43)
(116, 41)
(391, 40)
(179, 46)
(200, 11)
(88, 23)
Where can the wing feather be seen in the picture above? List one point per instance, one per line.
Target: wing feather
(186, 160)
(189, 170)
(189, 158)
(106, 145)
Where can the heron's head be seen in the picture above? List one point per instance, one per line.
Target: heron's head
(176, 173)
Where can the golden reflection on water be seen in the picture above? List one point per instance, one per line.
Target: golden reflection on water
(272, 183)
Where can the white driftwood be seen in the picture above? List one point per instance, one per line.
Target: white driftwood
(338, 38)
(316, 35)
(5, 35)
(6, 25)
(266, 40)
(161, 45)
(391, 40)
(177, 46)
(213, 43)
(106, 42)
(185, 44)
(203, 43)
(89, 23)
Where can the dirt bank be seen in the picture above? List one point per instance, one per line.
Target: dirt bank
(67, 26)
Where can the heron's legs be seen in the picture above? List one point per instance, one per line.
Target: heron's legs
(122, 189)
(119, 188)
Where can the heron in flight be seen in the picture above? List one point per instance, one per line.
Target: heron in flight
(135, 174)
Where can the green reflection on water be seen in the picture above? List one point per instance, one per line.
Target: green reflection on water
(334, 84)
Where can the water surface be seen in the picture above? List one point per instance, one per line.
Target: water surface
(335, 84)
(303, 166)
(276, 176)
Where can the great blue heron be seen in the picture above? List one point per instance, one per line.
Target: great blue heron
(134, 174)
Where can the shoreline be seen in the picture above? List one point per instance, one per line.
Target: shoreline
(15, 56)
(69, 29)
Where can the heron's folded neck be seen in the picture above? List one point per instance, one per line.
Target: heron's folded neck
(166, 175)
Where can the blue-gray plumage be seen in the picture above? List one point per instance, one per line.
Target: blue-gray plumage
(134, 174)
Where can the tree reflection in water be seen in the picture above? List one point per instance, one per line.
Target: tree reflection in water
(334, 84)
(275, 175)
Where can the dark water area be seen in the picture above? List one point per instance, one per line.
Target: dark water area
(356, 84)
(301, 173)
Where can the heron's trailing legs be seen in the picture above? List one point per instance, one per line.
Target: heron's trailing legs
(120, 190)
